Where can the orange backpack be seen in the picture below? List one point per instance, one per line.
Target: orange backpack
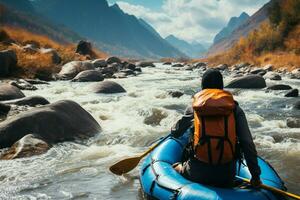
(215, 133)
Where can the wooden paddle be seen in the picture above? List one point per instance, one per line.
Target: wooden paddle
(128, 164)
(272, 189)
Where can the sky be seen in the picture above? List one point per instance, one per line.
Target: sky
(190, 20)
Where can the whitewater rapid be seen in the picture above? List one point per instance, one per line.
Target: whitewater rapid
(133, 121)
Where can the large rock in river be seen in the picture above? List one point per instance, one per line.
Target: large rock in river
(29, 145)
(88, 76)
(145, 64)
(8, 92)
(108, 87)
(8, 62)
(248, 82)
(280, 87)
(71, 69)
(292, 93)
(28, 101)
(57, 122)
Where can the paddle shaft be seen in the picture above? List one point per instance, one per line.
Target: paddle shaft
(272, 189)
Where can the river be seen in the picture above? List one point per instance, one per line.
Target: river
(131, 122)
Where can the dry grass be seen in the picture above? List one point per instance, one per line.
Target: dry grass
(250, 50)
(30, 63)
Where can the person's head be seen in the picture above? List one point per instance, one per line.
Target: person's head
(212, 79)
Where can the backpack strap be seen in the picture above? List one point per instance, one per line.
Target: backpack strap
(205, 139)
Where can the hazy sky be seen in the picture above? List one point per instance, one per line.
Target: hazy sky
(192, 20)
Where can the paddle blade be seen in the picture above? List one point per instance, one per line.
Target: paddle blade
(125, 166)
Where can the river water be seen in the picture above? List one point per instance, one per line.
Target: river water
(131, 122)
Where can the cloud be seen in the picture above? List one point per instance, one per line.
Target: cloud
(192, 20)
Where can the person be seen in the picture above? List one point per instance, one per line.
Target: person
(220, 132)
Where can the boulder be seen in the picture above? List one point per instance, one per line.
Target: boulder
(292, 93)
(111, 69)
(56, 59)
(113, 59)
(88, 76)
(57, 122)
(23, 85)
(119, 75)
(4, 109)
(71, 69)
(138, 69)
(44, 75)
(31, 101)
(177, 65)
(293, 123)
(130, 66)
(108, 87)
(295, 74)
(273, 76)
(8, 92)
(8, 62)
(248, 82)
(99, 63)
(260, 72)
(167, 63)
(27, 146)
(145, 64)
(241, 65)
(279, 87)
(128, 72)
(84, 48)
(175, 94)
(200, 65)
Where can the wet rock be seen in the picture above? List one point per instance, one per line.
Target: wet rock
(295, 74)
(241, 65)
(279, 87)
(248, 82)
(56, 59)
(8, 92)
(189, 68)
(31, 101)
(8, 62)
(88, 76)
(292, 93)
(108, 87)
(200, 65)
(111, 69)
(23, 85)
(145, 64)
(155, 117)
(84, 48)
(113, 59)
(37, 82)
(293, 123)
(57, 122)
(71, 69)
(273, 76)
(99, 63)
(138, 69)
(178, 65)
(130, 66)
(175, 94)
(4, 109)
(44, 75)
(128, 72)
(167, 63)
(29, 145)
(260, 72)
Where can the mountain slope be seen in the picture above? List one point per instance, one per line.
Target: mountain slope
(233, 23)
(115, 31)
(22, 14)
(195, 50)
(243, 30)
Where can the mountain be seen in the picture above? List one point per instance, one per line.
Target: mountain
(21, 13)
(114, 31)
(241, 31)
(194, 50)
(233, 23)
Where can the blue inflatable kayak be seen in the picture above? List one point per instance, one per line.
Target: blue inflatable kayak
(160, 181)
